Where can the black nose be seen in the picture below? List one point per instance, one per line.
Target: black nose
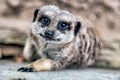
(49, 34)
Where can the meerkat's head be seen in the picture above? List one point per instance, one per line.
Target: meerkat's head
(54, 25)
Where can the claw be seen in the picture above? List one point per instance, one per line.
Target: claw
(25, 69)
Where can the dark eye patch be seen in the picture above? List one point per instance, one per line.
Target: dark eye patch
(62, 25)
(45, 20)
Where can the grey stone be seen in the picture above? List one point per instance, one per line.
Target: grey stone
(8, 71)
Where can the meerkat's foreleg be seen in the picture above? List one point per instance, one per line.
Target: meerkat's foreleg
(48, 64)
(43, 64)
(27, 52)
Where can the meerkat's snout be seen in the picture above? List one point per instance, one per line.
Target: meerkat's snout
(49, 34)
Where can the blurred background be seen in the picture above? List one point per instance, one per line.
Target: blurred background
(16, 17)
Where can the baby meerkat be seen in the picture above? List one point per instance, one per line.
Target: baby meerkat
(60, 41)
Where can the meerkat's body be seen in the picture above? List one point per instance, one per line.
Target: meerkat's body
(60, 40)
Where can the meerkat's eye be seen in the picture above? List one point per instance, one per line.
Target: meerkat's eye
(62, 25)
(45, 20)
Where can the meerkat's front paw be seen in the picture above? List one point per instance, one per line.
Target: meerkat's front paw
(25, 69)
(39, 65)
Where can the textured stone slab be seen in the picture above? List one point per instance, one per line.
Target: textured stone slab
(8, 72)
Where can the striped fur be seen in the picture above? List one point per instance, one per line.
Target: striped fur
(74, 50)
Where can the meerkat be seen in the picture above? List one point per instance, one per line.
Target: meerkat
(61, 40)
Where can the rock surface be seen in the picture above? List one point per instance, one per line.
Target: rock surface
(8, 71)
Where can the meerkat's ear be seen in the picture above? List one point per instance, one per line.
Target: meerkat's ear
(35, 15)
(77, 28)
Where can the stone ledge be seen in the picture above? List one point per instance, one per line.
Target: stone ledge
(8, 72)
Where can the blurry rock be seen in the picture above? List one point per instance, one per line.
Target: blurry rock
(13, 7)
(11, 44)
(109, 56)
(0, 53)
(12, 36)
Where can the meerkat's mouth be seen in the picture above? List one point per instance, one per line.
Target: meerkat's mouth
(49, 39)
